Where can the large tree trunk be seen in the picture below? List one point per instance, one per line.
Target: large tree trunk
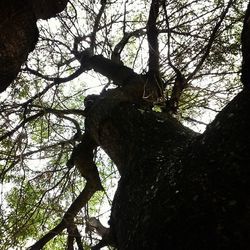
(178, 189)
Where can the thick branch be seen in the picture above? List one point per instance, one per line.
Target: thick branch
(47, 8)
(19, 35)
(119, 74)
(82, 157)
(76, 206)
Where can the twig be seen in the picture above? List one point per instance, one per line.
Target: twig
(75, 207)
(96, 25)
(210, 41)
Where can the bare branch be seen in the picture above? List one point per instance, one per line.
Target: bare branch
(245, 41)
(62, 111)
(75, 207)
(96, 25)
(116, 54)
(180, 82)
(210, 41)
(26, 120)
(152, 34)
(73, 233)
(55, 81)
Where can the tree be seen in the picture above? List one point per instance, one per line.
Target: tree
(178, 189)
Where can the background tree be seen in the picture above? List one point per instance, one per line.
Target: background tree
(178, 189)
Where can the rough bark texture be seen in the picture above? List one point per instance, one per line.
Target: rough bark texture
(18, 37)
(19, 32)
(178, 190)
(45, 9)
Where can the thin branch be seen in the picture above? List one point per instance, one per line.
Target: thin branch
(245, 41)
(180, 81)
(33, 210)
(120, 46)
(152, 34)
(73, 210)
(59, 113)
(190, 119)
(62, 111)
(96, 25)
(78, 238)
(210, 41)
(176, 70)
(70, 240)
(55, 81)
(26, 120)
(73, 233)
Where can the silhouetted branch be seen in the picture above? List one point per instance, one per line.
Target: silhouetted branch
(73, 234)
(60, 113)
(152, 35)
(210, 41)
(121, 75)
(180, 81)
(55, 81)
(245, 41)
(122, 43)
(26, 120)
(68, 217)
(96, 25)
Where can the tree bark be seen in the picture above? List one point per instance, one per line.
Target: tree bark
(19, 33)
(178, 190)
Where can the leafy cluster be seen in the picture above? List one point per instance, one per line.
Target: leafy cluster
(42, 116)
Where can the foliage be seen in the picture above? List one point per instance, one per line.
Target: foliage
(41, 113)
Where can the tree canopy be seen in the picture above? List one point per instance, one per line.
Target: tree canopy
(123, 77)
